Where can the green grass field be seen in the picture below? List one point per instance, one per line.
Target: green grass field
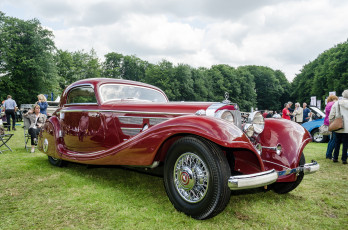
(36, 195)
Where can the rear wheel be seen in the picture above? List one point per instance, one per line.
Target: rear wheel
(285, 187)
(56, 162)
(196, 173)
(318, 137)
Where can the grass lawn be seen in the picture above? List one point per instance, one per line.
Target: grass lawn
(36, 195)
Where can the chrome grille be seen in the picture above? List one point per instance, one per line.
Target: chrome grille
(237, 118)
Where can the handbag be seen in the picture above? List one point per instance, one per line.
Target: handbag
(338, 122)
(324, 130)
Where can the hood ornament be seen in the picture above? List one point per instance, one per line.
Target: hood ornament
(226, 101)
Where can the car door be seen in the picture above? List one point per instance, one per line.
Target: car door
(81, 121)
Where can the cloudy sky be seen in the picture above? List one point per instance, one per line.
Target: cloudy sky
(281, 34)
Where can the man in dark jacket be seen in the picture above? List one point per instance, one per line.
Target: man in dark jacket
(10, 109)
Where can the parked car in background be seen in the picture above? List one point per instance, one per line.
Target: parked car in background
(204, 148)
(52, 107)
(313, 125)
(25, 107)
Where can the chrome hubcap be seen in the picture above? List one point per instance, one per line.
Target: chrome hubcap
(45, 145)
(317, 137)
(191, 177)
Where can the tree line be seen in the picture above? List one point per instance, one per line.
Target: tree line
(31, 64)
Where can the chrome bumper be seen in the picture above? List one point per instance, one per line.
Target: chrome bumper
(268, 177)
(306, 169)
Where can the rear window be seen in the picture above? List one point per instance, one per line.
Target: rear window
(82, 95)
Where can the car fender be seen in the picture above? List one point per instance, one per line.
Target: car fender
(49, 134)
(142, 148)
(291, 136)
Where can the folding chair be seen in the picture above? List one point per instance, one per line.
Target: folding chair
(27, 137)
(4, 138)
(7, 126)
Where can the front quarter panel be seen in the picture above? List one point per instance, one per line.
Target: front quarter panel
(291, 136)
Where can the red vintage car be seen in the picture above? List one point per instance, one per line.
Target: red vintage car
(205, 148)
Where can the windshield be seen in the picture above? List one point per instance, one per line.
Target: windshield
(130, 92)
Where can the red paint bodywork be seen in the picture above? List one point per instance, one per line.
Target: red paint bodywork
(96, 133)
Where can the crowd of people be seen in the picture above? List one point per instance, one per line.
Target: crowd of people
(36, 116)
(298, 114)
(334, 108)
(340, 109)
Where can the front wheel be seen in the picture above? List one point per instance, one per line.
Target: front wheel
(285, 187)
(196, 176)
(318, 137)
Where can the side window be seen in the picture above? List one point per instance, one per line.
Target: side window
(82, 94)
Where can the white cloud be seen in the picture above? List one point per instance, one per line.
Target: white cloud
(283, 35)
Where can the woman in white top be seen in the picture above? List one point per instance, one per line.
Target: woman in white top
(37, 120)
(298, 113)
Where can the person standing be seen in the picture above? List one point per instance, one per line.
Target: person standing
(298, 113)
(291, 110)
(286, 112)
(331, 145)
(270, 114)
(10, 109)
(340, 108)
(276, 115)
(42, 102)
(306, 113)
(264, 114)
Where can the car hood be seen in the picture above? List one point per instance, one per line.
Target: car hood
(310, 125)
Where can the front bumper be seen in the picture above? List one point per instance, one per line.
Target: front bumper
(268, 177)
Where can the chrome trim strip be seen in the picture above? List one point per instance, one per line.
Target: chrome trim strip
(82, 104)
(131, 131)
(79, 85)
(271, 148)
(123, 111)
(254, 180)
(277, 164)
(152, 166)
(67, 92)
(157, 120)
(131, 120)
(139, 120)
(79, 110)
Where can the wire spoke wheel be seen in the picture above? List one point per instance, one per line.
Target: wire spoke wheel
(195, 177)
(191, 177)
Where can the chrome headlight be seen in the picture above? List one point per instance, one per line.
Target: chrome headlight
(225, 115)
(258, 122)
(249, 130)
